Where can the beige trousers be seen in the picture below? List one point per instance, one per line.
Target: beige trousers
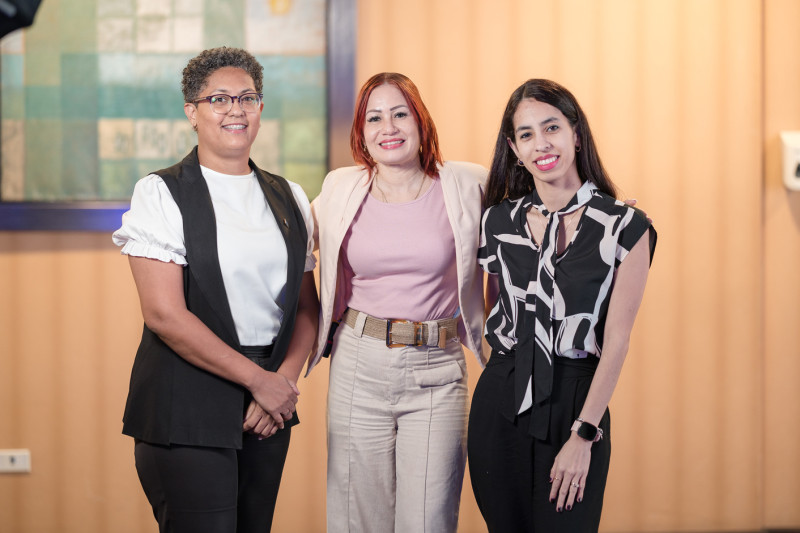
(397, 420)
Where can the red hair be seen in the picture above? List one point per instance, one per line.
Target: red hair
(429, 155)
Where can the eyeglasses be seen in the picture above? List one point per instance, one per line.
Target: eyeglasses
(222, 103)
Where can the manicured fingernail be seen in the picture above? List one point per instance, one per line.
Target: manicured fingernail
(558, 509)
(569, 507)
(580, 500)
(552, 500)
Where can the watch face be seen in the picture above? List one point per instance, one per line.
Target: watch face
(587, 431)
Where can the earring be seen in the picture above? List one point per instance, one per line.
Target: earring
(520, 163)
(578, 148)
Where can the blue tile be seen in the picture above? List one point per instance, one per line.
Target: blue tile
(79, 178)
(13, 73)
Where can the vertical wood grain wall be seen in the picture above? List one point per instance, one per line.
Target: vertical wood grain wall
(674, 93)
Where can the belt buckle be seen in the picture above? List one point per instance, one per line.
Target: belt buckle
(417, 333)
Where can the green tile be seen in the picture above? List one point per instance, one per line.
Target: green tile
(303, 102)
(135, 102)
(43, 160)
(13, 73)
(45, 33)
(304, 140)
(43, 67)
(42, 102)
(78, 26)
(224, 23)
(79, 103)
(80, 70)
(79, 178)
(296, 85)
(292, 70)
(117, 179)
(309, 176)
(115, 101)
(13, 103)
(161, 104)
(273, 106)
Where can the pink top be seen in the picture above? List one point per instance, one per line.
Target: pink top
(401, 259)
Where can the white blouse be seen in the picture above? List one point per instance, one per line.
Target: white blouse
(254, 275)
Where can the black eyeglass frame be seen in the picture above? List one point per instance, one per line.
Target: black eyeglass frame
(233, 99)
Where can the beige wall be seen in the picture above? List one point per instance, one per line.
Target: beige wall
(686, 99)
(781, 280)
(673, 90)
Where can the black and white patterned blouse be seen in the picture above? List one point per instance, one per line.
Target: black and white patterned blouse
(565, 314)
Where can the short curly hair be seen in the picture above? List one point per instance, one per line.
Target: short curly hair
(200, 68)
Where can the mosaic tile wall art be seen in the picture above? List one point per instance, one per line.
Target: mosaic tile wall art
(90, 97)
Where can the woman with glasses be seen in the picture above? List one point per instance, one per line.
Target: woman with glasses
(221, 254)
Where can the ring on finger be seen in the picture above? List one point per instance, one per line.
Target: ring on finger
(576, 485)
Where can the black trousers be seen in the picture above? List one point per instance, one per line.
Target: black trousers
(510, 470)
(196, 489)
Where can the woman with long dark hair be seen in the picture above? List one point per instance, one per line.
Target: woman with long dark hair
(570, 263)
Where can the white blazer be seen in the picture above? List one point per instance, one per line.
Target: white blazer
(343, 192)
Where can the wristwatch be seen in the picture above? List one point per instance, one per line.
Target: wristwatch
(587, 431)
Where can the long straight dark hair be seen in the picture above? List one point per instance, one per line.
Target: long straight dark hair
(509, 180)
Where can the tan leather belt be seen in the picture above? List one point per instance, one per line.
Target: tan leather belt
(398, 333)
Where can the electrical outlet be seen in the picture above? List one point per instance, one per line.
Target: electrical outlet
(15, 461)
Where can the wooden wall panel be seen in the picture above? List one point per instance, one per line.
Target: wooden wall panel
(781, 249)
(673, 93)
(69, 321)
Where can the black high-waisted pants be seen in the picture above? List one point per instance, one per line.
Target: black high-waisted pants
(199, 489)
(510, 470)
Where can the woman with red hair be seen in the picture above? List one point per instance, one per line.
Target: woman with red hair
(398, 240)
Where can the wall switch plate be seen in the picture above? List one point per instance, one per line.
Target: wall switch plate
(15, 461)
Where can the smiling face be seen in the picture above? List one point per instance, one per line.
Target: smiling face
(391, 132)
(224, 140)
(545, 141)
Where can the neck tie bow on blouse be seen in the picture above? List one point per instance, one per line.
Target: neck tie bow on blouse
(534, 366)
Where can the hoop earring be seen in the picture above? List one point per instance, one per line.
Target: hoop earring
(578, 148)
(520, 163)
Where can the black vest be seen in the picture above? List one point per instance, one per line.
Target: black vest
(171, 401)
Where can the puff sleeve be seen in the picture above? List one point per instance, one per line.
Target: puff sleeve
(153, 227)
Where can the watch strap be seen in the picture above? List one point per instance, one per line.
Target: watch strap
(587, 431)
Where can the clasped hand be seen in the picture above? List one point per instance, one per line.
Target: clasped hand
(569, 472)
(274, 401)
